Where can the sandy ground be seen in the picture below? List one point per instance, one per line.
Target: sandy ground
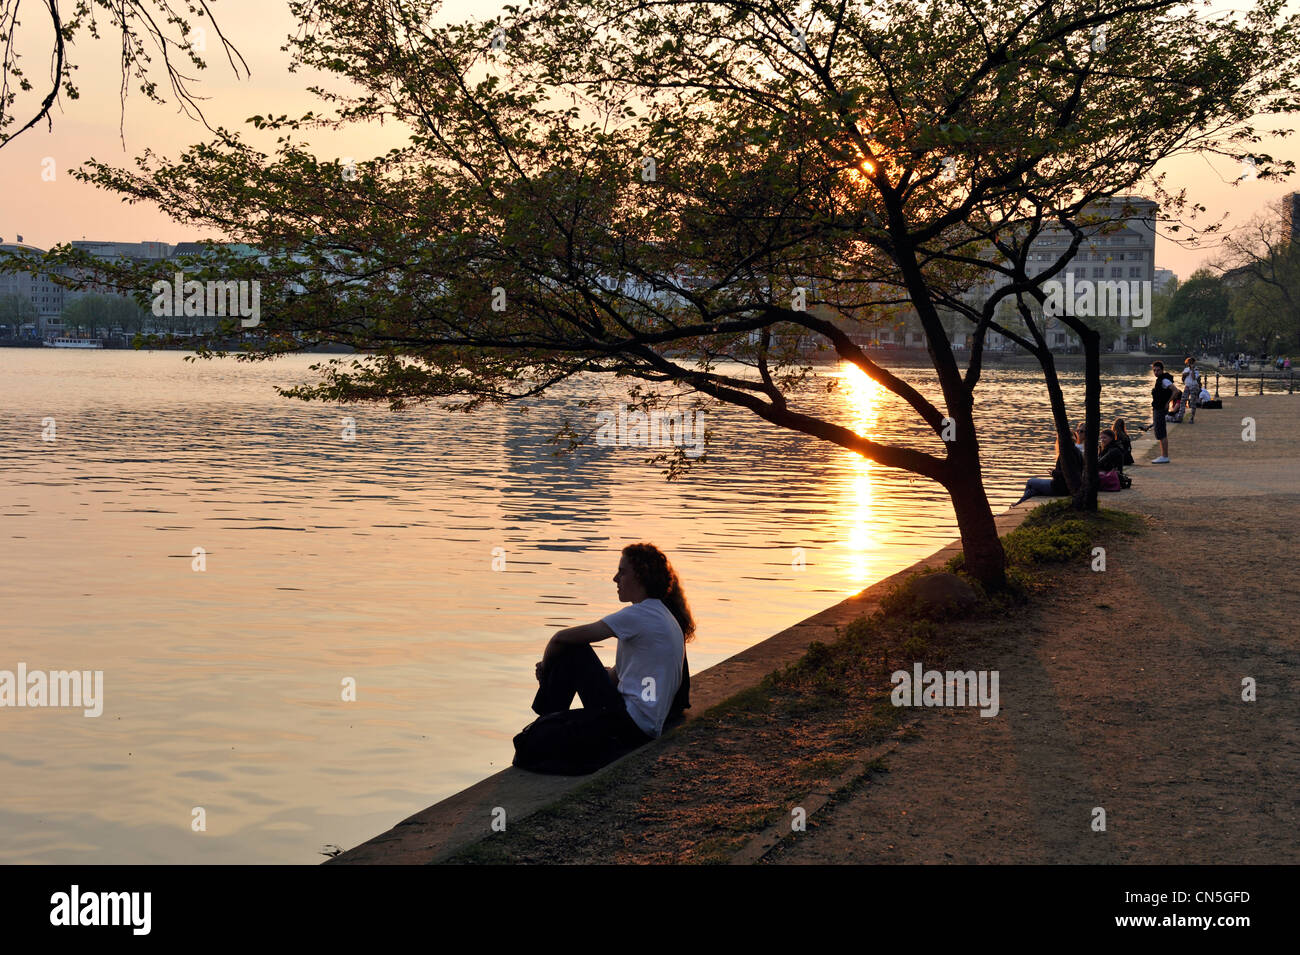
(1125, 691)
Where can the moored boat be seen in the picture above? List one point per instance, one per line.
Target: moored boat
(73, 343)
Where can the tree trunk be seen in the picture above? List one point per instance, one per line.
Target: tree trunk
(1069, 464)
(983, 557)
(1086, 500)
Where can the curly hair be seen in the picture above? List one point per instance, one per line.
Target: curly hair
(660, 581)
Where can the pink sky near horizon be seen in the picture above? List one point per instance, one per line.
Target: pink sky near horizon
(46, 213)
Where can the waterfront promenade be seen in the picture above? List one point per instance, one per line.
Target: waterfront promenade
(1129, 695)
(1120, 691)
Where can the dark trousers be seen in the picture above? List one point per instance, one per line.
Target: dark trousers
(576, 669)
(575, 742)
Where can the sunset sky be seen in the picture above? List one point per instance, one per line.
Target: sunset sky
(46, 213)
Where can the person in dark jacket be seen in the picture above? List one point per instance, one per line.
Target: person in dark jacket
(1123, 440)
(1161, 394)
(1110, 454)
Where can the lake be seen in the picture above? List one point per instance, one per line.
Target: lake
(371, 560)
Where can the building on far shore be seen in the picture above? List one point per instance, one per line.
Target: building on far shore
(44, 295)
(1124, 255)
(117, 251)
(50, 300)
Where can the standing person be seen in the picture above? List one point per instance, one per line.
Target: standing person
(1160, 395)
(627, 706)
(1191, 387)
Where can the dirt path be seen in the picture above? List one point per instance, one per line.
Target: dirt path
(1125, 693)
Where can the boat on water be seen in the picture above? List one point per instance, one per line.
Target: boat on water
(73, 343)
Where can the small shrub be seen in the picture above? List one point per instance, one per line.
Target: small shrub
(902, 604)
(861, 630)
(924, 630)
(1049, 513)
(818, 655)
(915, 647)
(1051, 544)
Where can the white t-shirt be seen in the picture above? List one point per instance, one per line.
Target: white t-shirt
(1191, 380)
(650, 647)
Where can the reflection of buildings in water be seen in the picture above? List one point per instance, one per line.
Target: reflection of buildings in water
(537, 485)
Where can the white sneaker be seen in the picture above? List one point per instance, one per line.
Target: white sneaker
(1161, 460)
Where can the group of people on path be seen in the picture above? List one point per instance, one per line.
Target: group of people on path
(1242, 362)
(1114, 452)
(1169, 402)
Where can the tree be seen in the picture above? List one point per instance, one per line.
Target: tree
(1197, 313)
(17, 311)
(1264, 299)
(96, 311)
(679, 193)
(83, 312)
(137, 24)
(1160, 302)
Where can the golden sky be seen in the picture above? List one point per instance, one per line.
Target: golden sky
(46, 213)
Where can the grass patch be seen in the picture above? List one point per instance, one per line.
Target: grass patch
(1052, 533)
(1055, 533)
(901, 602)
(825, 767)
(1052, 544)
(718, 850)
(756, 700)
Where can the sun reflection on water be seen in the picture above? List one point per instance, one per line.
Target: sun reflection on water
(863, 398)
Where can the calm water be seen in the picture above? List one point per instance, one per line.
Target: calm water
(373, 560)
